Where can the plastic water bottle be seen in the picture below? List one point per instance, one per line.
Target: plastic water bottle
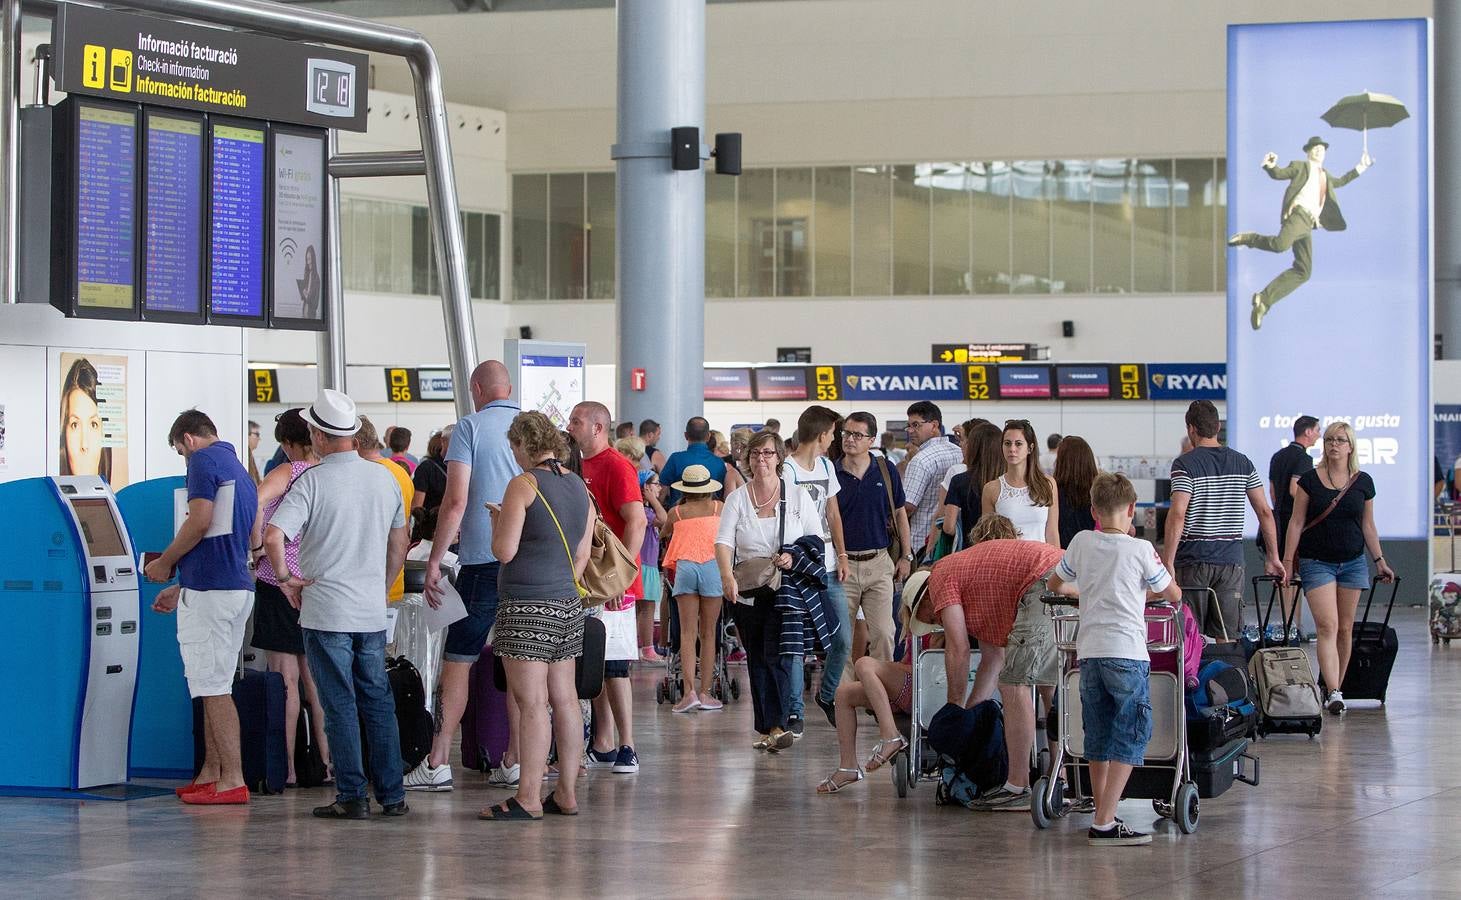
(1250, 633)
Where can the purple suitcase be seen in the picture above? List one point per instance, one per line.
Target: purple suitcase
(484, 722)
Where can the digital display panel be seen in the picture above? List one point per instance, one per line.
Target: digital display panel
(99, 527)
(552, 384)
(1083, 382)
(781, 384)
(236, 255)
(727, 384)
(172, 283)
(1024, 382)
(298, 235)
(106, 207)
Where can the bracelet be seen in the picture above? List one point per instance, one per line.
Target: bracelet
(1380, 557)
(842, 556)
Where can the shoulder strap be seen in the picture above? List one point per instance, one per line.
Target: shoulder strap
(572, 570)
(781, 519)
(1333, 503)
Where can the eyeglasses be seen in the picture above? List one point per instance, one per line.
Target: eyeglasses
(762, 453)
(856, 435)
(1336, 439)
(912, 426)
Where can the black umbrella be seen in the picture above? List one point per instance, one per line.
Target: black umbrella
(1364, 111)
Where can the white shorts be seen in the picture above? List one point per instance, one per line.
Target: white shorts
(210, 635)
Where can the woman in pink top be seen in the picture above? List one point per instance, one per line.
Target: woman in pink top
(690, 529)
(276, 622)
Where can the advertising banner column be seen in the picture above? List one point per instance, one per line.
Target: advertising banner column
(1329, 311)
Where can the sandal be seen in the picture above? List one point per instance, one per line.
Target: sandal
(830, 784)
(551, 807)
(881, 757)
(508, 811)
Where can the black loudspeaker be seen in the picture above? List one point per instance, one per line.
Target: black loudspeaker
(728, 153)
(1067, 328)
(685, 148)
(525, 332)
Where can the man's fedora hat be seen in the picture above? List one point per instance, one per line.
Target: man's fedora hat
(1315, 141)
(333, 413)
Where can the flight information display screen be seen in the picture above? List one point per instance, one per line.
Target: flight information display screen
(106, 207)
(173, 215)
(236, 257)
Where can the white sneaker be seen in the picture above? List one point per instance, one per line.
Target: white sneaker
(504, 776)
(425, 777)
(1336, 703)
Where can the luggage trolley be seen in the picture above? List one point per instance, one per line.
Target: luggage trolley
(1165, 777)
(930, 690)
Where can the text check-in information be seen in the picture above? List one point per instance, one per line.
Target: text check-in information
(236, 258)
(106, 207)
(173, 215)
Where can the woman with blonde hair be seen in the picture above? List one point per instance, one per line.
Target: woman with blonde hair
(1024, 494)
(1332, 526)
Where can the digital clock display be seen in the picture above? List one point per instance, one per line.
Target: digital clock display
(331, 88)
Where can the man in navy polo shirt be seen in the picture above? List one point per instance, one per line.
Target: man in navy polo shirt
(869, 520)
(696, 453)
(214, 597)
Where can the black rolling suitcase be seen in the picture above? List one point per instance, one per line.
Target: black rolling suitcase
(1373, 654)
(259, 698)
(1214, 771)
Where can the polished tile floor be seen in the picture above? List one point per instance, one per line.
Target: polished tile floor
(1372, 809)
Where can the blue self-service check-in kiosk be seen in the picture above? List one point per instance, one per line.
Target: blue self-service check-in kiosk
(69, 614)
(162, 724)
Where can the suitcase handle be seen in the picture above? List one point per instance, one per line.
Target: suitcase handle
(1278, 584)
(1242, 775)
(1370, 599)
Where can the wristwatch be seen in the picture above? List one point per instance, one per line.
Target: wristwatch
(908, 556)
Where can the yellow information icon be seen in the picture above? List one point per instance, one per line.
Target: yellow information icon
(93, 66)
(120, 71)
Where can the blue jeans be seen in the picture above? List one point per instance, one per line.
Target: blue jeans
(465, 638)
(349, 668)
(1116, 709)
(833, 605)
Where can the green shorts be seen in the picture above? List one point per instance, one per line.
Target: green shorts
(1029, 653)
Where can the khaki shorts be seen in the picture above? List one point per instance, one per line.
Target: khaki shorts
(1029, 653)
(210, 635)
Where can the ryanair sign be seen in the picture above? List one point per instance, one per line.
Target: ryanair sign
(1187, 381)
(903, 382)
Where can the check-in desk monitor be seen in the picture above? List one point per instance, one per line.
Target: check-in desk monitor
(69, 605)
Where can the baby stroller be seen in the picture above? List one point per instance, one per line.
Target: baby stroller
(723, 685)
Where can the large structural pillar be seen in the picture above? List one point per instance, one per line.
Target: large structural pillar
(660, 214)
(1446, 166)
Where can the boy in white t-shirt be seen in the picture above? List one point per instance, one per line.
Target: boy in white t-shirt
(1116, 575)
(809, 467)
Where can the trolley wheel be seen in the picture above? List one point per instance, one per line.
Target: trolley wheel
(901, 774)
(1060, 806)
(735, 689)
(1186, 811)
(659, 693)
(1039, 807)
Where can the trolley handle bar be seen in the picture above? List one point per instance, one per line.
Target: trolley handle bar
(1375, 583)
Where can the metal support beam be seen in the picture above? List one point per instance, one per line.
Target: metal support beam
(331, 370)
(378, 164)
(1446, 66)
(293, 23)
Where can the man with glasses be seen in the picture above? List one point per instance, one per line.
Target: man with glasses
(926, 469)
(874, 528)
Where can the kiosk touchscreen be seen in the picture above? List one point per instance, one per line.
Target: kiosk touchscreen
(69, 611)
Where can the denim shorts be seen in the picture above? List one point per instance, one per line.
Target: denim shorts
(697, 578)
(1354, 573)
(465, 638)
(1116, 709)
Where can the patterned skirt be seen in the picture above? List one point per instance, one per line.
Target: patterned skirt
(541, 630)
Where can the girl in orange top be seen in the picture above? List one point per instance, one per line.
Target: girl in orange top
(690, 558)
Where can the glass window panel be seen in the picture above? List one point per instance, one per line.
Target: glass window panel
(910, 231)
(363, 247)
(756, 234)
(832, 232)
(385, 239)
(720, 236)
(566, 238)
(491, 256)
(871, 231)
(793, 225)
(600, 191)
(948, 185)
(347, 242)
(421, 261)
(990, 195)
(400, 248)
(1219, 193)
(1194, 224)
(1110, 227)
(530, 237)
(1070, 226)
(472, 235)
(1152, 195)
(1030, 225)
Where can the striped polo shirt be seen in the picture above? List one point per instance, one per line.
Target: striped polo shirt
(1217, 480)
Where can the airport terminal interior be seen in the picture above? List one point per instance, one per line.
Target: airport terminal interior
(937, 236)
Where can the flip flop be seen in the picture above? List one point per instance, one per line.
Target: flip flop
(551, 807)
(508, 811)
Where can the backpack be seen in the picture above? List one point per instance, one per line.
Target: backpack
(1218, 684)
(1220, 707)
(1285, 684)
(971, 744)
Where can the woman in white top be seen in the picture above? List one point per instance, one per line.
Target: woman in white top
(755, 515)
(1024, 494)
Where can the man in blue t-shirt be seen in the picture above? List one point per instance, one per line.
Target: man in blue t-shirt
(213, 597)
(696, 453)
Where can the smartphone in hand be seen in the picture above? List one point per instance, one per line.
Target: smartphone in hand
(494, 507)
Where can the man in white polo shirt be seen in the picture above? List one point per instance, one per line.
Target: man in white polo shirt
(350, 520)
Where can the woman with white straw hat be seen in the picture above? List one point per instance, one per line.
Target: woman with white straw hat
(885, 688)
(690, 529)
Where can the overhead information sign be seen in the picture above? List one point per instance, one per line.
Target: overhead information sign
(1024, 382)
(727, 384)
(987, 352)
(904, 382)
(150, 60)
(1083, 382)
(236, 272)
(172, 217)
(781, 384)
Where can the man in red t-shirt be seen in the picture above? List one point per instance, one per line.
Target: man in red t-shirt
(614, 483)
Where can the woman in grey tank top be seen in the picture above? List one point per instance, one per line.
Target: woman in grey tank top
(541, 535)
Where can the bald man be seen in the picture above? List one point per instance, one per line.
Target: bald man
(479, 464)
